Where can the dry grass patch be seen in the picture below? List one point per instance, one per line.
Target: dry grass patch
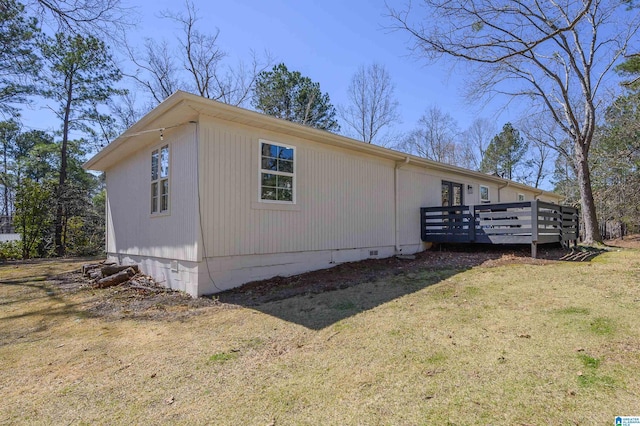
(557, 343)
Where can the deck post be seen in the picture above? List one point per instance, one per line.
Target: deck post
(534, 228)
(576, 217)
(565, 245)
(472, 223)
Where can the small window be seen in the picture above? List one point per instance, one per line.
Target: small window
(484, 194)
(277, 172)
(520, 197)
(160, 180)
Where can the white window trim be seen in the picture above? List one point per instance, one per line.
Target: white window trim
(521, 197)
(167, 212)
(261, 170)
(488, 200)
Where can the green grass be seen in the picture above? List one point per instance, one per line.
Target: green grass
(589, 362)
(222, 357)
(517, 344)
(591, 377)
(592, 380)
(472, 291)
(572, 310)
(437, 358)
(602, 326)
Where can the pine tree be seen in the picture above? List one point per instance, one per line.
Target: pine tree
(81, 76)
(18, 60)
(291, 96)
(504, 153)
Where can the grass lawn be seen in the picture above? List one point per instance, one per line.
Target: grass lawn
(517, 344)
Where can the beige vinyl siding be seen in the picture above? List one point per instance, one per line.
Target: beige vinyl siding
(416, 189)
(493, 192)
(544, 198)
(510, 195)
(131, 228)
(344, 200)
(420, 187)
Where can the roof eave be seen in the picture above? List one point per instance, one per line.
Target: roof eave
(97, 162)
(243, 116)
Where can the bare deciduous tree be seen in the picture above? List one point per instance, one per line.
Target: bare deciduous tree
(235, 84)
(564, 177)
(372, 105)
(106, 18)
(544, 136)
(434, 138)
(201, 54)
(477, 138)
(125, 111)
(555, 55)
(197, 66)
(156, 71)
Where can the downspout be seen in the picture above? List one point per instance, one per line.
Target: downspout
(396, 195)
(535, 196)
(502, 187)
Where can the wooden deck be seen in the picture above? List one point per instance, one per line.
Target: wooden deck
(527, 222)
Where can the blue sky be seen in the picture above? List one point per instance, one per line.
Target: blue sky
(326, 41)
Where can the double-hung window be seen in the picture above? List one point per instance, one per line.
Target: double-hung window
(277, 172)
(160, 180)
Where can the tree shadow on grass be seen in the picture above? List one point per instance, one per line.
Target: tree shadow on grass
(320, 310)
(582, 254)
(321, 298)
(29, 305)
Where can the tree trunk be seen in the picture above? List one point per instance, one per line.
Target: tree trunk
(58, 238)
(112, 269)
(88, 267)
(116, 279)
(589, 218)
(5, 182)
(25, 246)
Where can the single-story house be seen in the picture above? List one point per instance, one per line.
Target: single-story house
(206, 196)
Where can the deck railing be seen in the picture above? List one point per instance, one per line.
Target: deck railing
(528, 222)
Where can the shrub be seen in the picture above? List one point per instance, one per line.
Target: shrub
(10, 250)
